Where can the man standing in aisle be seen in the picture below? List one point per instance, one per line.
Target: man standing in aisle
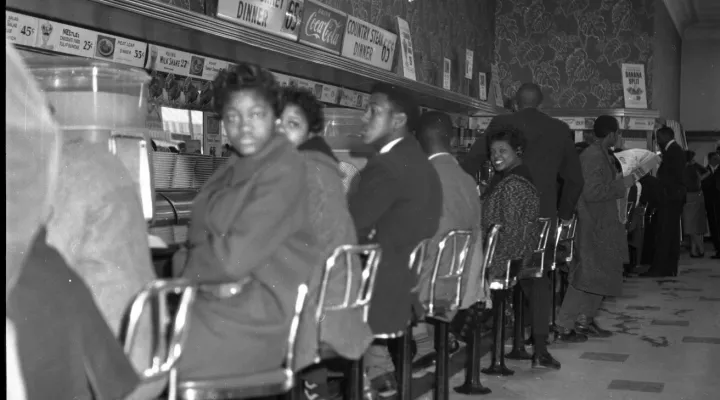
(460, 206)
(550, 154)
(670, 174)
(711, 190)
(601, 238)
(397, 204)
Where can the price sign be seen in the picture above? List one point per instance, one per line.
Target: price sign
(368, 43)
(329, 94)
(67, 39)
(120, 50)
(169, 60)
(20, 29)
(212, 68)
(279, 17)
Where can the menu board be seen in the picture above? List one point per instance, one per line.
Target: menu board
(120, 50)
(369, 44)
(278, 17)
(66, 39)
(322, 27)
(406, 50)
(634, 88)
(20, 29)
(173, 61)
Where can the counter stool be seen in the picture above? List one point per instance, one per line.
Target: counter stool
(499, 288)
(352, 303)
(168, 344)
(473, 384)
(439, 311)
(518, 351)
(564, 235)
(270, 383)
(537, 268)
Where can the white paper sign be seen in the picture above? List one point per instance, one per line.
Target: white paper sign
(172, 61)
(279, 17)
(641, 124)
(469, 63)
(575, 123)
(479, 122)
(20, 29)
(482, 86)
(408, 54)
(211, 68)
(67, 39)
(496, 86)
(120, 50)
(634, 88)
(447, 66)
(369, 44)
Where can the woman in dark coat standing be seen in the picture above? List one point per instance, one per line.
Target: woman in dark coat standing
(249, 232)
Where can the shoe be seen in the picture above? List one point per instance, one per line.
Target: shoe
(388, 387)
(570, 335)
(545, 360)
(589, 327)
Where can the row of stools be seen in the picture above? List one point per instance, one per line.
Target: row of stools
(439, 313)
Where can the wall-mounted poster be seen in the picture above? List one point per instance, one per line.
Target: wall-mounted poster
(497, 90)
(482, 85)
(406, 50)
(211, 136)
(447, 65)
(278, 17)
(634, 89)
(322, 27)
(469, 55)
(369, 44)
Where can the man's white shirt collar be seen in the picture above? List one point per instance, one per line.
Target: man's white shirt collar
(669, 143)
(390, 145)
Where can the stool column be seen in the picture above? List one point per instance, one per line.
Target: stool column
(497, 365)
(403, 372)
(518, 351)
(442, 378)
(355, 385)
(472, 384)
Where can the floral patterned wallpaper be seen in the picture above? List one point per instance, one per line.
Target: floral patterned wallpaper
(440, 29)
(573, 49)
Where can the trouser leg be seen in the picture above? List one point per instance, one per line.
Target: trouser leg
(539, 294)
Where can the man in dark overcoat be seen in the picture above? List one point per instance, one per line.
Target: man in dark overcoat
(601, 241)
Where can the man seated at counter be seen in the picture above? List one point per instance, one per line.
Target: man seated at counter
(250, 237)
(397, 204)
(460, 210)
(345, 333)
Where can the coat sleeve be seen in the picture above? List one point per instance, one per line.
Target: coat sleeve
(597, 188)
(275, 209)
(572, 177)
(377, 190)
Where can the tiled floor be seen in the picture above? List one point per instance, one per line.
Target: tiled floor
(666, 347)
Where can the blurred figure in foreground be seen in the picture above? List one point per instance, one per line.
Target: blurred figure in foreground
(66, 349)
(711, 191)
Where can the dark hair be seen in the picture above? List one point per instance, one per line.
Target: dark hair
(401, 102)
(529, 95)
(514, 137)
(689, 155)
(246, 77)
(434, 127)
(153, 144)
(580, 147)
(666, 131)
(308, 103)
(605, 125)
(713, 154)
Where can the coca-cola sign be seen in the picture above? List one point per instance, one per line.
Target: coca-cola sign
(322, 27)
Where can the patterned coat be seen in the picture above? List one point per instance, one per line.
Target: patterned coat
(344, 332)
(513, 203)
(600, 238)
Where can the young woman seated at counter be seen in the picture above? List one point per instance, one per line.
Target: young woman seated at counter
(250, 233)
(328, 214)
(511, 200)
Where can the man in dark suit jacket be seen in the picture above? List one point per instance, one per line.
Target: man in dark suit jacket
(550, 153)
(397, 203)
(711, 190)
(670, 174)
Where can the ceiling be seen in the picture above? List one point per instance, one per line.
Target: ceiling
(701, 15)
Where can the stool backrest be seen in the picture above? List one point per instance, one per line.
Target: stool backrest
(155, 293)
(348, 254)
(490, 244)
(290, 364)
(565, 235)
(458, 243)
(418, 261)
